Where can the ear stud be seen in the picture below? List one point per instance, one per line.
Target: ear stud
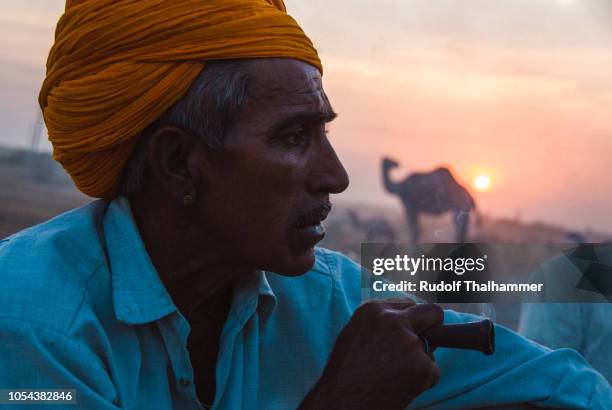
(188, 199)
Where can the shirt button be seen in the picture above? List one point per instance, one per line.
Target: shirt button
(183, 381)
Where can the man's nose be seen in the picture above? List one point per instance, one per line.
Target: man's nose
(328, 175)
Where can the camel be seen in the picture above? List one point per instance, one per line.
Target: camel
(375, 228)
(435, 192)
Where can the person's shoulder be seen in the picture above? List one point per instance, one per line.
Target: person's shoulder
(75, 235)
(345, 274)
(335, 264)
(564, 274)
(332, 270)
(44, 269)
(342, 269)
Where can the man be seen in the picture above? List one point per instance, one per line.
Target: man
(161, 295)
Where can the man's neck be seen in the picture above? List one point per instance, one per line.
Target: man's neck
(194, 274)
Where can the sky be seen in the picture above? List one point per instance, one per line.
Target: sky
(517, 90)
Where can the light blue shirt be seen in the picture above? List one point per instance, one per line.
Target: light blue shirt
(586, 327)
(82, 307)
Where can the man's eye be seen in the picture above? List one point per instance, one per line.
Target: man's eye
(295, 138)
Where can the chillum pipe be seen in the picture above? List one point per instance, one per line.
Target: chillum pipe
(473, 336)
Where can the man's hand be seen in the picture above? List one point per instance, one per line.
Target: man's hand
(378, 361)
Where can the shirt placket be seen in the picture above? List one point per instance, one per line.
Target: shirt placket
(175, 332)
(228, 390)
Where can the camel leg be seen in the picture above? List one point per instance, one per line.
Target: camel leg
(462, 220)
(413, 225)
(390, 235)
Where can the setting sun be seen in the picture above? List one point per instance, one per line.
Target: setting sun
(482, 183)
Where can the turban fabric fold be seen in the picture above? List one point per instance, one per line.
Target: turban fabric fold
(117, 65)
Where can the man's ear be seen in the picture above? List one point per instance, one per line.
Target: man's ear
(172, 153)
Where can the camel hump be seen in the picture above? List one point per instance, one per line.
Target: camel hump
(444, 176)
(443, 172)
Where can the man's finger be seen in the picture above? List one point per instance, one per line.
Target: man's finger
(423, 316)
(392, 303)
(430, 371)
(399, 303)
(434, 375)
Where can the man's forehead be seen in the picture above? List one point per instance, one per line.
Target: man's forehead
(284, 81)
(281, 92)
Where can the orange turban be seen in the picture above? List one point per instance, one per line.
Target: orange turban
(117, 65)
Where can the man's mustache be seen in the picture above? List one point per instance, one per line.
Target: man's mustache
(315, 215)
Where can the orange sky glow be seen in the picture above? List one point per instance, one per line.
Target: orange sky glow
(518, 90)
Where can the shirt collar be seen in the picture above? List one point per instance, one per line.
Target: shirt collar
(266, 297)
(253, 293)
(139, 295)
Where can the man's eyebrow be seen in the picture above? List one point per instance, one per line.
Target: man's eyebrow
(303, 117)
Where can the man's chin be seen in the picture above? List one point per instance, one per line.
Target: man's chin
(300, 253)
(296, 264)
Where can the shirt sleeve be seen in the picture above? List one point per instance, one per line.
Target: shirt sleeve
(520, 371)
(32, 357)
(554, 325)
